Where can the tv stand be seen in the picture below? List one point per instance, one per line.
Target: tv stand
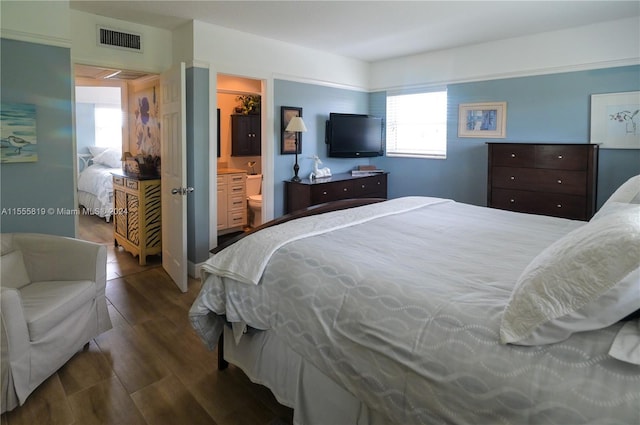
(305, 193)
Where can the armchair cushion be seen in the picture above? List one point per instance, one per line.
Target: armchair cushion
(46, 304)
(13, 272)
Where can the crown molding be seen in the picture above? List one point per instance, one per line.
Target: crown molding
(35, 38)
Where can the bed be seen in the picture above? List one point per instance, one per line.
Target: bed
(427, 311)
(95, 182)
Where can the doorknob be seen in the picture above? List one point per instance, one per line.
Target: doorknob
(181, 190)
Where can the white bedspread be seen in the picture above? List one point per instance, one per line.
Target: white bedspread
(404, 311)
(98, 180)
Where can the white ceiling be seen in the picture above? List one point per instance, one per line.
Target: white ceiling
(371, 30)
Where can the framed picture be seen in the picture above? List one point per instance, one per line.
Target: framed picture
(288, 138)
(483, 120)
(615, 121)
(18, 130)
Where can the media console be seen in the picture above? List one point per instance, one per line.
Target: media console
(303, 194)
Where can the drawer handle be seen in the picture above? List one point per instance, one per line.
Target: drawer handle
(559, 205)
(513, 201)
(363, 186)
(344, 190)
(512, 177)
(559, 181)
(379, 183)
(513, 155)
(324, 193)
(559, 156)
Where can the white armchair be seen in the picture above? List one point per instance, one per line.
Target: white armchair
(52, 303)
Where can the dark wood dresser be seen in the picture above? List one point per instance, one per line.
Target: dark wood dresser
(303, 194)
(543, 178)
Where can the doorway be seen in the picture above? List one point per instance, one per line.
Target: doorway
(103, 131)
(240, 101)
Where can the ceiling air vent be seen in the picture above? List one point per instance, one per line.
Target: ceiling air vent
(119, 39)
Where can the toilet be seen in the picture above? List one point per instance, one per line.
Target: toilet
(254, 199)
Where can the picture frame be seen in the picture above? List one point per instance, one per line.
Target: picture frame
(615, 120)
(18, 141)
(288, 138)
(486, 119)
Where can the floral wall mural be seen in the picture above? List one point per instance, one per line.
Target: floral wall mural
(145, 113)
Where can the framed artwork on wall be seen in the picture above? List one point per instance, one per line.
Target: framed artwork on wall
(18, 129)
(288, 138)
(615, 120)
(487, 120)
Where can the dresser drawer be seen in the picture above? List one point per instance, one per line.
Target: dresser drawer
(554, 204)
(236, 218)
(562, 157)
(540, 180)
(370, 187)
(132, 184)
(236, 202)
(512, 155)
(118, 181)
(332, 192)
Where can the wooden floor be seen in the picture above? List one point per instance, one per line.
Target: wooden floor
(151, 368)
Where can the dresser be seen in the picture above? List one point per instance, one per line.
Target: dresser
(551, 179)
(232, 200)
(303, 194)
(137, 224)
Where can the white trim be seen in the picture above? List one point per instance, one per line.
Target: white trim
(48, 40)
(316, 82)
(515, 74)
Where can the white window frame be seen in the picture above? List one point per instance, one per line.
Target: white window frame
(409, 116)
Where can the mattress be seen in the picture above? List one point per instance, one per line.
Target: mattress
(403, 311)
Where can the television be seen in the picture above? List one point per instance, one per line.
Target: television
(353, 136)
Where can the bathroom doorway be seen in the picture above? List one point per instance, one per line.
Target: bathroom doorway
(239, 102)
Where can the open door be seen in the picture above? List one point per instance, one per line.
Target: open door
(174, 174)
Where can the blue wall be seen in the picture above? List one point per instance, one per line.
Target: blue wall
(547, 108)
(40, 75)
(316, 103)
(198, 161)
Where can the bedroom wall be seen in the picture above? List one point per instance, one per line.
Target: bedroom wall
(545, 108)
(316, 102)
(40, 75)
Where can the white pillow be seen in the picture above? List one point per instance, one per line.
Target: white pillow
(96, 150)
(588, 279)
(612, 207)
(13, 273)
(110, 158)
(627, 192)
(626, 345)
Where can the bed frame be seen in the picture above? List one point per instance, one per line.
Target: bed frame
(342, 204)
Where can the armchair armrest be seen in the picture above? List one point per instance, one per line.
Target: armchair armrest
(51, 257)
(14, 324)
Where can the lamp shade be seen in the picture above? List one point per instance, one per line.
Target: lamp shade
(296, 124)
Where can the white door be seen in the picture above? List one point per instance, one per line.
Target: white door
(174, 175)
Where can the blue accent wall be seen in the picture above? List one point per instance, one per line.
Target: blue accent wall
(198, 161)
(40, 75)
(316, 103)
(546, 108)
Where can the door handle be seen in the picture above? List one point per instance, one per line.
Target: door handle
(181, 190)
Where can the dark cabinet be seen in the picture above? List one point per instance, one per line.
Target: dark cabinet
(245, 135)
(307, 192)
(551, 179)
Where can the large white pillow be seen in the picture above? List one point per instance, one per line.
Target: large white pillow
(13, 273)
(628, 191)
(589, 279)
(96, 150)
(110, 158)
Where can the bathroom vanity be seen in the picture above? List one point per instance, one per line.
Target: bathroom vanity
(232, 203)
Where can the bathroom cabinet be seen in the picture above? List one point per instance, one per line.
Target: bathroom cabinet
(307, 192)
(232, 202)
(245, 135)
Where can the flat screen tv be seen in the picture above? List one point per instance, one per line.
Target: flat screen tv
(354, 136)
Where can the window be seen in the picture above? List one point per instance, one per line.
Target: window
(108, 127)
(417, 124)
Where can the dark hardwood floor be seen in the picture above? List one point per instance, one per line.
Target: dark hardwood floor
(151, 368)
